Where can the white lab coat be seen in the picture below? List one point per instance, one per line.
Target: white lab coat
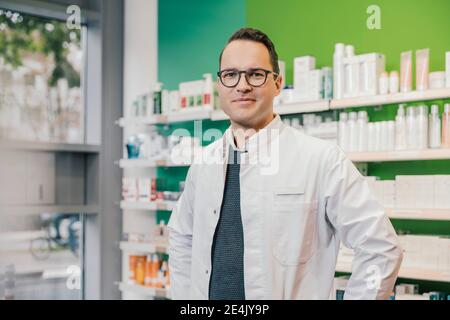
(300, 197)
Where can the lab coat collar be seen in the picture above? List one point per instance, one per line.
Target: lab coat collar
(261, 140)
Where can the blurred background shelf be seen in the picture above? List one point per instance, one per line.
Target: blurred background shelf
(408, 273)
(144, 163)
(419, 214)
(49, 146)
(407, 155)
(411, 96)
(38, 209)
(144, 291)
(151, 206)
(142, 247)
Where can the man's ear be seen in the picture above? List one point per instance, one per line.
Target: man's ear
(278, 83)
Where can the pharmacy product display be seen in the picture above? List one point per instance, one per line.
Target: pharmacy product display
(413, 191)
(145, 190)
(414, 128)
(191, 95)
(154, 146)
(352, 76)
(315, 125)
(402, 291)
(424, 256)
(149, 271)
(365, 74)
(310, 84)
(356, 75)
(157, 236)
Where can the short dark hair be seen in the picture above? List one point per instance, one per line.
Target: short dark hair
(257, 36)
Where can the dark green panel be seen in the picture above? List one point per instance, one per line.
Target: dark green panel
(191, 35)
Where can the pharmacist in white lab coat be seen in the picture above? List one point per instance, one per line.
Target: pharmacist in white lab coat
(275, 231)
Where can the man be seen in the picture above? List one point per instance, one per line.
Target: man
(263, 215)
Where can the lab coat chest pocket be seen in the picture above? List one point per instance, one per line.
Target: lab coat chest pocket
(294, 226)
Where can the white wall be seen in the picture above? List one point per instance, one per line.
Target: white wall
(140, 75)
(140, 48)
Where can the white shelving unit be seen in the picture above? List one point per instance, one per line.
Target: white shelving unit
(303, 107)
(407, 155)
(49, 147)
(142, 247)
(408, 273)
(284, 109)
(144, 291)
(150, 206)
(390, 98)
(294, 107)
(140, 121)
(197, 113)
(287, 109)
(38, 209)
(144, 163)
(419, 214)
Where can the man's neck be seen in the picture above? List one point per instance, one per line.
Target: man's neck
(242, 133)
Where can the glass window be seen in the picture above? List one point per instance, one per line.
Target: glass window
(40, 257)
(41, 67)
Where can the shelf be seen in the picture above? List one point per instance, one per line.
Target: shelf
(38, 209)
(408, 273)
(407, 155)
(49, 147)
(197, 113)
(144, 163)
(302, 107)
(151, 206)
(144, 291)
(142, 247)
(419, 214)
(141, 121)
(20, 236)
(376, 100)
(284, 109)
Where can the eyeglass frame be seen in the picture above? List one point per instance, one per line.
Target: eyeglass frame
(266, 72)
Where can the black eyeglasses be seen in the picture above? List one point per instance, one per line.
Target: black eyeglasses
(255, 77)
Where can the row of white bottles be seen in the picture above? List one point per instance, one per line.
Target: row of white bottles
(413, 129)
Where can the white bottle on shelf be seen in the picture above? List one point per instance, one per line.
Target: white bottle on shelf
(352, 132)
(400, 129)
(343, 131)
(371, 136)
(411, 128)
(391, 136)
(446, 126)
(350, 89)
(338, 70)
(377, 135)
(422, 125)
(362, 131)
(434, 127)
(384, 136)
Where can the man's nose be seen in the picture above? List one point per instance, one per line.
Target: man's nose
(243, 85)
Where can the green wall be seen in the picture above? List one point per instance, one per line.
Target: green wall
(192, 33)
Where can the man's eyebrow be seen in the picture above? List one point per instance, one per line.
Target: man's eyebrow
(253, 68)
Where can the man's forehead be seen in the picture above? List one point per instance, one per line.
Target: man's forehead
(245, 53)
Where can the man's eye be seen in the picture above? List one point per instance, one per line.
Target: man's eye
(228, 75)
(257, 75)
